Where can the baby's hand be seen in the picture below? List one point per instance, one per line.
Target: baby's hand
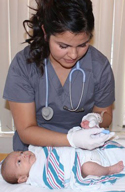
(91, 120)
(85, 124)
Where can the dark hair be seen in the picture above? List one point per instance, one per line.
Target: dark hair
(56, 16)
(8, 176)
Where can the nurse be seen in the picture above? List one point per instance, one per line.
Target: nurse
(46, 94)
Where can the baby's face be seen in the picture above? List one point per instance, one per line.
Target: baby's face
(21, 162)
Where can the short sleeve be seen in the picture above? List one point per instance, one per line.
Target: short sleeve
(105, 86)
(18, 87)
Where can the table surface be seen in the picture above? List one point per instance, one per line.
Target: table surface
(2, 156)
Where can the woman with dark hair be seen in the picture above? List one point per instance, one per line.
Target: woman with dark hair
(59, 78)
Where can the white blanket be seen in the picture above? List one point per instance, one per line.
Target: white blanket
(119, 185)
(60, 167)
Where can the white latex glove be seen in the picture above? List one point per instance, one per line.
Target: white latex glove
(87, 138)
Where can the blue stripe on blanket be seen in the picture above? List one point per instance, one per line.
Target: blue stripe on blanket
(91, 181)
(111, 144)
(53, 173)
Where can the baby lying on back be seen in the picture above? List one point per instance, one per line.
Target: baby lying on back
(56, 167)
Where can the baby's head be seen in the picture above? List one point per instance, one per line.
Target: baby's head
(16, 166)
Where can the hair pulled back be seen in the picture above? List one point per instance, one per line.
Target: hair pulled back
(56, 16)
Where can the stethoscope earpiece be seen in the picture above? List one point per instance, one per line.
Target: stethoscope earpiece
(73, 110)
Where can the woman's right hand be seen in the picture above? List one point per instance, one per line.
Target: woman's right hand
(87, 138)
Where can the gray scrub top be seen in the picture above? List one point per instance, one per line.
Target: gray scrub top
(25, 84)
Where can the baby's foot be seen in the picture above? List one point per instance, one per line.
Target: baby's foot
(116, 168)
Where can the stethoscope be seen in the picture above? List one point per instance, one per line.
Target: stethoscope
(47, 112)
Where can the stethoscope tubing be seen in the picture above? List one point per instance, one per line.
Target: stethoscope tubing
(48, 110)
(47, 84)
(79, 69)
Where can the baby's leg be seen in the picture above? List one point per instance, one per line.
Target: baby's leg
(92, 168)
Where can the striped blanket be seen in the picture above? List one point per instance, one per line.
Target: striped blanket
(60, 167)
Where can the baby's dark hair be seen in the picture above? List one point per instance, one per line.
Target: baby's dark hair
(56, 16)
(8, 176)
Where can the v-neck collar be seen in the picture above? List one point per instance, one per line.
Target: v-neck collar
(62, 91)
(52, 74)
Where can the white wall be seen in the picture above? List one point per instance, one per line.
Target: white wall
(6, 143)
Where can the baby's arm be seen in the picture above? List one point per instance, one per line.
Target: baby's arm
(92, 120)
(92, 168)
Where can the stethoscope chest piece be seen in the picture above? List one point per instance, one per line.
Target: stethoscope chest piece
(47, 113)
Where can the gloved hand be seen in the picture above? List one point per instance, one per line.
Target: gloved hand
(87, 138)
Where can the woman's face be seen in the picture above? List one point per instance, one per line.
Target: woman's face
(67, 48)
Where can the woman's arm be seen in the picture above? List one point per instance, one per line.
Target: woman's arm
(30, 133)
(107, 116)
